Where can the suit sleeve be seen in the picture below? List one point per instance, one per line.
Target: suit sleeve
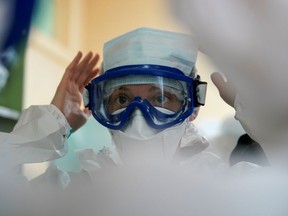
(39, 135)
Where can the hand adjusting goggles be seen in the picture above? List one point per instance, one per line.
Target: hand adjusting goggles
(165, 95)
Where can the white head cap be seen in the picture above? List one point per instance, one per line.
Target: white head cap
(151, 46)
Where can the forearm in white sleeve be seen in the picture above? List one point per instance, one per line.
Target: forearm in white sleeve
(39, 135)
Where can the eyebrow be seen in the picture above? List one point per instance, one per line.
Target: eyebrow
(153, 88)
(162, 90)
(122, 88)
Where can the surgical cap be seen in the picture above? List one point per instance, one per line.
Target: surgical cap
(153, 47)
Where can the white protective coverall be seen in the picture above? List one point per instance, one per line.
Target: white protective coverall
(39, 135)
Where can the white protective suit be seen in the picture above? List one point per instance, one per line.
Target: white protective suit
(127, 151)
(39, 135)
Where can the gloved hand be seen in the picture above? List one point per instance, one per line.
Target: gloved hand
(226, 90)
(68, 97)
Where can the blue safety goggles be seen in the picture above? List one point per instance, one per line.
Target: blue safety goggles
(165, 95)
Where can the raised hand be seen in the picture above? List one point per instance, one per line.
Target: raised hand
(68, 97)
(226, 90)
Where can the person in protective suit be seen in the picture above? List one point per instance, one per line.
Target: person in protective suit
(147, 94)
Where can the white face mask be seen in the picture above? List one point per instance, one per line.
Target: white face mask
(139, 143)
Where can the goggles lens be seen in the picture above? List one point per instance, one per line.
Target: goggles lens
(164, 100)
(157, 94)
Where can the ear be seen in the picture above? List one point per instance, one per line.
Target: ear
(194, 114)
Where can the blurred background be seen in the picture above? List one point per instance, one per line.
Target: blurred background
(59, 28)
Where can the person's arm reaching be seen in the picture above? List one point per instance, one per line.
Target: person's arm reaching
(41, 132)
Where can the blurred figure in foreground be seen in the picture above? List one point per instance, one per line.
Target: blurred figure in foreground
(249, 45)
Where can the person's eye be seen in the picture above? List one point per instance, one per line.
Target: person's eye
(122, 99)
(162, 99)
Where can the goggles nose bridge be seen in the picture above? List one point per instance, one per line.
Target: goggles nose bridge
(142, 106)
(138, 99)
(138, 103)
